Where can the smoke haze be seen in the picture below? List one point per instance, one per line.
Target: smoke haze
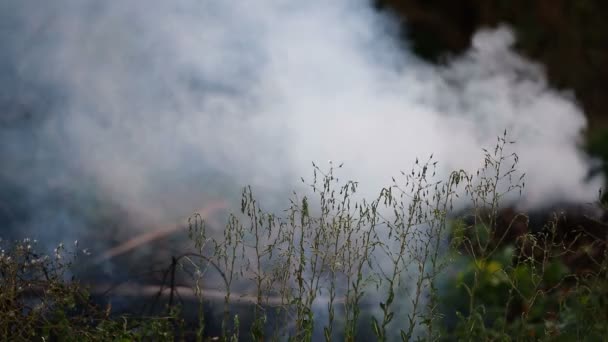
(158, 106)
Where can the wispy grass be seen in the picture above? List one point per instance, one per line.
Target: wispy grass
(426, 259)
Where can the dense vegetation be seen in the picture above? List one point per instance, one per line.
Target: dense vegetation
(427, 259)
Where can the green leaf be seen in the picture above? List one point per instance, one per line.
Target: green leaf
(376, 328)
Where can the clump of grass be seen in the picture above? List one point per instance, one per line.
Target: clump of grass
(39, 301)
(335, 255)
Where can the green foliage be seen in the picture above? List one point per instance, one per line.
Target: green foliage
(502, 298)
(39, 302)
(521, 289)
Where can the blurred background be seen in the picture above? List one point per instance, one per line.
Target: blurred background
(119, 120)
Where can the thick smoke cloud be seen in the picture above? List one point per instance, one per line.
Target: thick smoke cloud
(157, 106)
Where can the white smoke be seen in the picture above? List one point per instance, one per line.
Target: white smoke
(155, 100)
